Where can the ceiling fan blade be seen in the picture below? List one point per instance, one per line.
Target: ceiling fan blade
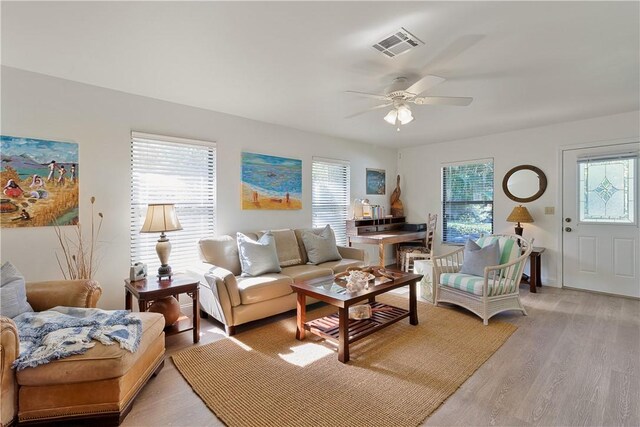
(377, 107)
(424, 84)
(369, 95)
(442, 100)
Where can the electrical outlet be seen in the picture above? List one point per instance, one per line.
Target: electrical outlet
(549, 210)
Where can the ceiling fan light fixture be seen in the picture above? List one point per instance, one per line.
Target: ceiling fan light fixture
(391, 117)
(407, 120)
(404, 114)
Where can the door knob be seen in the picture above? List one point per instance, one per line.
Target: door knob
(567, 229)
(567, 219)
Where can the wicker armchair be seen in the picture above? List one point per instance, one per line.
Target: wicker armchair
(486, 296)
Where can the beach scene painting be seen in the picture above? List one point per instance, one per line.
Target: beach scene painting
(39, 182)
(270, 182)
(376, 181)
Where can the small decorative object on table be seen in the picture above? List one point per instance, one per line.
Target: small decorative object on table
(359, 280)
(138, 271)
(169, 307)
(364, 311)
(356, 279)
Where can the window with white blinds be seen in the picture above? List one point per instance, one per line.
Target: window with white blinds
(467, 200)
(331, 181)
(172, 170)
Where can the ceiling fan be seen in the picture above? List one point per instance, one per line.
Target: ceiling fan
(400, 97)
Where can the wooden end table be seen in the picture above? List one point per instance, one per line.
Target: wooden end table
(535, 260)
(148, 290)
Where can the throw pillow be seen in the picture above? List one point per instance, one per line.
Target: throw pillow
(475, 258)
(221, 251)
(320, 247)
(287, 247)
(258, 257)
(13, 293)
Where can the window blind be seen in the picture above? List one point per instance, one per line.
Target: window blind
(331, 180)
(172, 170)
(467, 200)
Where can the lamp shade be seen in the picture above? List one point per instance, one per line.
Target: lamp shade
(520, 214)
(404, 114)
(391, 117)
(161, 217)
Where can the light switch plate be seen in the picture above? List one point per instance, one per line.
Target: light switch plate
(549, 210)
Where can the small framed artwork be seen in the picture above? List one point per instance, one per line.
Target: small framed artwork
(376, 181)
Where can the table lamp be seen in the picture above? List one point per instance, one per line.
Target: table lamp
(519, 214)
(161, 217)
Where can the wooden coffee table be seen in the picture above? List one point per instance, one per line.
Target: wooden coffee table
(338, 327)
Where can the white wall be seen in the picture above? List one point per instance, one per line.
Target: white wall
(100, 121)
(420, 167)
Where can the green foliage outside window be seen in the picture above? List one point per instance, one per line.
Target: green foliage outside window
(467, 201)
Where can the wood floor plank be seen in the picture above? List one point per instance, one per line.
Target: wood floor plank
(573, 361)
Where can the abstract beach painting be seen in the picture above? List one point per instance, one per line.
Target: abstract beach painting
(270, 182)
(376, 181)
(39, 182)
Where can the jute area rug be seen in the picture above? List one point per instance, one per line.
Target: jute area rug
(396, 376)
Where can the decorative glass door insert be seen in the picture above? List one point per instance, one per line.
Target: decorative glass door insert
(607, 190)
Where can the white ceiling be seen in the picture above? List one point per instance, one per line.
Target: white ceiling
(525, 63)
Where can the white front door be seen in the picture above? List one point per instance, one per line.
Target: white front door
(601, 238)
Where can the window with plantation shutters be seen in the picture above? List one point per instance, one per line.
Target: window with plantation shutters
(467, 200)
(172, 170)
(330, 195)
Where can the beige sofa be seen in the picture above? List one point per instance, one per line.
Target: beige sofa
(234, 300)
(100, 384)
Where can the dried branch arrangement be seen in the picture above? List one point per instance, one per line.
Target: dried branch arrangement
(78, 260)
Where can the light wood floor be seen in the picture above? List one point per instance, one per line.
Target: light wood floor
(575, 360)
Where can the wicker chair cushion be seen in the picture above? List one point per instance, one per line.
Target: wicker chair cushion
(419, 249)
(473, 284)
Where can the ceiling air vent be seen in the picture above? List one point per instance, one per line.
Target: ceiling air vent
(398, 42)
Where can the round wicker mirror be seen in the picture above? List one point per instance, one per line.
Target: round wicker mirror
(524, 183)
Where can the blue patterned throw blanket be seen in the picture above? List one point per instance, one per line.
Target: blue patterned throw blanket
(65, 331)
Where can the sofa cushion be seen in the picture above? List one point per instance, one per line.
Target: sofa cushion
(258, 257)
(264, 287)
(99, 363)
(221, 251)
(321, 247)
(476, 258)
(474, 284)
(13, 293)
(306, 272)
(286, 247)
(341, 265)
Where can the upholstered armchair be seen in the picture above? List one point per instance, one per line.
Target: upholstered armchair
(41, 296)
(496, 291)
(65, 389)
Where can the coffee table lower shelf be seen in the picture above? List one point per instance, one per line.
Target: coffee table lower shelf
(328, 327)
